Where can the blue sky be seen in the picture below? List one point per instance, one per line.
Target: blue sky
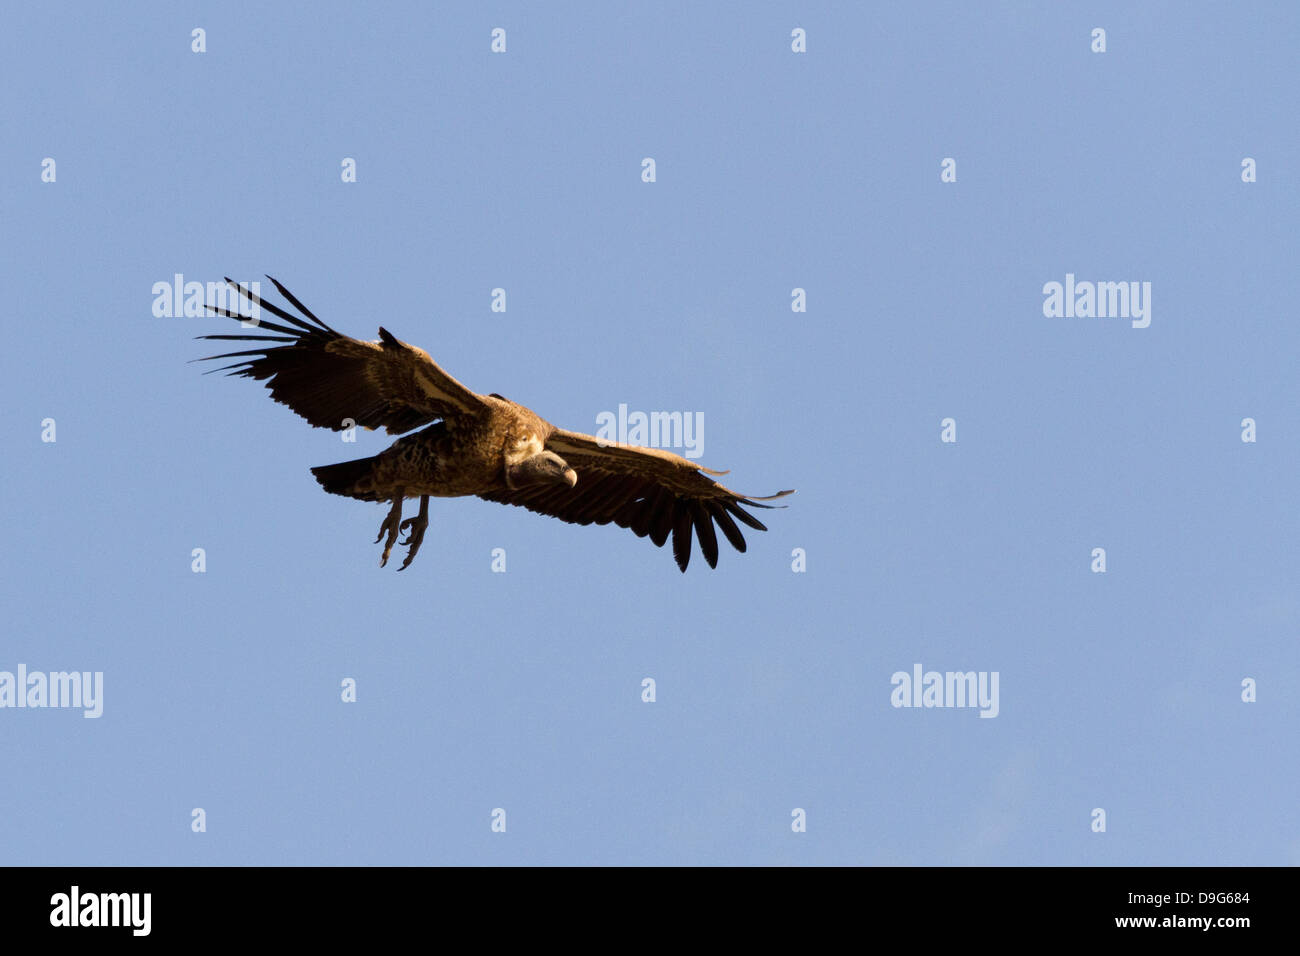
(775, 170)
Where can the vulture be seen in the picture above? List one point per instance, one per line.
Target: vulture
(471, 444)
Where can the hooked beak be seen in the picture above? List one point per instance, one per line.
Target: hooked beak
(570, 476)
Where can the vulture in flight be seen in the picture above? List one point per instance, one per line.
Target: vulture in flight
(471, 444)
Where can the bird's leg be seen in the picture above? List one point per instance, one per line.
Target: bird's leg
(391, 525)
(415, 536)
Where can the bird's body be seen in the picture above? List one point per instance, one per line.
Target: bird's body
(450, 459)
(471, 444)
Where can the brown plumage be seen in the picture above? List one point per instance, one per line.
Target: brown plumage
(483, 445)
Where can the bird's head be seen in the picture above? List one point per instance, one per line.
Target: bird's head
(544, 468)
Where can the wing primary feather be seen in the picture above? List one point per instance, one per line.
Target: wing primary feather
(704, 532)
(744, 516)
(298, 304)
(275, 310)
(682, 535)
(239, 365)
(260, 323)
(727, 525)
(780, 494)
(249, 338)
(661, 523)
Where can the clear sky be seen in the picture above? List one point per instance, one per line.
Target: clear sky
(774, 171)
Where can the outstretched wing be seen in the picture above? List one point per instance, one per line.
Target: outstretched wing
(335, 381)
(650, 491)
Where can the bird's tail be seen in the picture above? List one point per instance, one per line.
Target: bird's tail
(352, 479)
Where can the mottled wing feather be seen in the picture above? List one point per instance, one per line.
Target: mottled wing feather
(335, 381)
(652, 492)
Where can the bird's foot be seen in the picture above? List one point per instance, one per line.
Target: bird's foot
(415, 528)
(391, 526)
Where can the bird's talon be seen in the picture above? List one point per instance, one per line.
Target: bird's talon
(415, 528)
(392, 522)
